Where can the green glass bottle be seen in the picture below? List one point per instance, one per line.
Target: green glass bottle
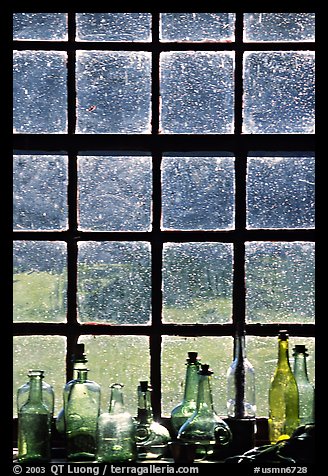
(48, 395)
(116, 431)
(151, 436)
(81, 410)
(305, 388)
(283, 396)
(184, 410)
(34, 423)
(205, 428)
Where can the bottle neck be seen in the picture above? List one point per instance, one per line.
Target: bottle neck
(145, 413)
(300, 367)
(82, 375)
(79, 365)
(204, 396)
(239, 348)
(116, 401)
(283, 355)
(35, 395)
(191, 385)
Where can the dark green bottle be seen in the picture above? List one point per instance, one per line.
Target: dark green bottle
(34, 423)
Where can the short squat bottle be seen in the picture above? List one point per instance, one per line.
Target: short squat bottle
(205, 428)
(184, 410)
(305, 388)
(151, 436)
(81, 410)
(34, 422)
(116, 431)
(283, 396)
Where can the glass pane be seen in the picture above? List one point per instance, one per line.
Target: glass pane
(216, 351)
(46, 353)
(108, 363)
(39, 93)
(40, 192)
(279, 92)
(280, 192)
(197, 282)
(197, 26)
(113, 26)
(279, 26)
(263, 354)
(280, 282)
(114, 282)
(115, 193)
(197, 92)
(198, 193)
(40, 279)
(40, 26)
(113, 92)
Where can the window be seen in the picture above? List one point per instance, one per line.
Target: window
(163, 194)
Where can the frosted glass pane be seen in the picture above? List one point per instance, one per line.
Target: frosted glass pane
(198, 193)
(113, 92)
(279, 92)
(109, 363)
(113, 26)
(114, 282)
(263, 354)
(215, 351)
(197, 282)
(39, 94)
(39, 289)
(280, 282)
(38, 352)
(115, 193)
(280, 192)
(40, 26)
(40, 192)
(197, 92)
(279, 26)
(197, 26)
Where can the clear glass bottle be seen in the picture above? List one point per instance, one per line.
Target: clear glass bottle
(81, 410)
(151, 436)
(116, 431)
(305, 388)
(186, 408)
(283, 396)
(241, 383)
(205, 428)
(48, 395)
(34, 423)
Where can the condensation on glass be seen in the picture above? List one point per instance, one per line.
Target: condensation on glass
(216, 27)
(280, 282)
(40, 192)
(263, 353)
(215, 351)
(198, 193)
(279, 27)
(279, 92)
(39, 281)
(280, 192)
(114, 282)
(108, 363)
(46, 353)
(197, 92)
(197, 282)
(39, 92)
(115, 193)
(113, 26)
(113, 92)
(40, 26)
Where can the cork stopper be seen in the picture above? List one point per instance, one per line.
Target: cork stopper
(205, 370)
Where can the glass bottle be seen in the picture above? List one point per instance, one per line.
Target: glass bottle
(205, 428)
(151, 436)
(283, 396)
(305, 388)
(116, 431)
(48, 395)
(81, 411)
(34, 423)
(240, 383)
(184, 410)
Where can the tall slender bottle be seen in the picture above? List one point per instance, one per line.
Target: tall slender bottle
(184, 410)
(283, 396)
(34, 423)
(48, 395)
(305, 388)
